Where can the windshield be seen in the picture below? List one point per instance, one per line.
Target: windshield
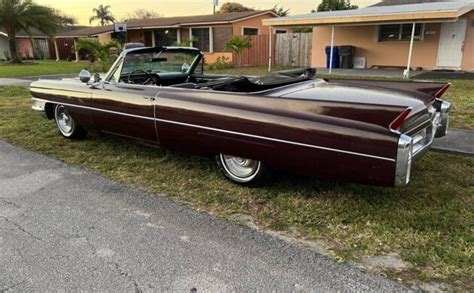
(159, 62)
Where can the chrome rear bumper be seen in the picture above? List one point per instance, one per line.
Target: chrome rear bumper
(411, 147)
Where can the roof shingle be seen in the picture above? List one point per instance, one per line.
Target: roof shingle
(166, 22)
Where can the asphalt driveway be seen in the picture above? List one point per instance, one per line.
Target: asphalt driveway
(62, 228)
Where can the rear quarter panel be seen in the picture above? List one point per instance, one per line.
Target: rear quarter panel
(307, 137)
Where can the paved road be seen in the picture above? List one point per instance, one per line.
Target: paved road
(26, 81)
(64, 228)
(15, 81)
(457, 141)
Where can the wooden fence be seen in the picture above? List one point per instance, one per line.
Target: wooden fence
(258, 54)
(292, 49)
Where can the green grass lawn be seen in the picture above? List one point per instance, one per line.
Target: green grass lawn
(429, 224)
(40, 67)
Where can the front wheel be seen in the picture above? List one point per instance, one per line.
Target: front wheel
(243, 171)
(66, 124)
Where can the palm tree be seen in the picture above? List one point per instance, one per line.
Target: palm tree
(103, 15)
(100, 52)
(17, 15)
(237, 44)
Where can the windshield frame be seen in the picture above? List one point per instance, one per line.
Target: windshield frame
(118, 64)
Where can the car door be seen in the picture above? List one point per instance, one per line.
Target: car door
(126, 110)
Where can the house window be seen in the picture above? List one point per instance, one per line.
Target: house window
(399, 32)
(201, 39)
(248, 31)
(166, 37)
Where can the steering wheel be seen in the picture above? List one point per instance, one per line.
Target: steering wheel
(150, 77)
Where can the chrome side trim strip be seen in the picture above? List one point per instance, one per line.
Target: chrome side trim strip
(276, 140)
(97, 109)
(229, 132)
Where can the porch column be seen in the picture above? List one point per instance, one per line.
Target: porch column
(270, 51)
(406, 74)
(211, 39)
(332, 50)
(76, 52)
(56, 49)
(153, 40)
(178, 35)
(191, 43)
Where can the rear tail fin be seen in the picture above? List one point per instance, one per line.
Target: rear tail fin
(398, 122)
(430, 90)
(442, 90)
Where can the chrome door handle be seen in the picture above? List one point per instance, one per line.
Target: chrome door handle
(149, 98)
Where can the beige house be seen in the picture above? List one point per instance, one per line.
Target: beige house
(423, 34)
(209, 33)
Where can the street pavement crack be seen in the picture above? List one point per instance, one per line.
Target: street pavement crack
(9, 203)
(128, 277)
(12, 286)
(19, 227)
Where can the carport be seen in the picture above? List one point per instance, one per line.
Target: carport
(410, 17)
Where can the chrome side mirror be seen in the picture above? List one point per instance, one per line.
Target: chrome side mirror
(85, 76)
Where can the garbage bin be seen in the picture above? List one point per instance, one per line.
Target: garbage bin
(335, 57)
(346, 54)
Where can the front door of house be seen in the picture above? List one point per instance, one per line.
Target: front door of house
(451, 44)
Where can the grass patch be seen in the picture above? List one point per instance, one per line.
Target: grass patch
(40, 67)
(429, 223)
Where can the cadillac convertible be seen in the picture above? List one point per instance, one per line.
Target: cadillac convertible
(353, 130)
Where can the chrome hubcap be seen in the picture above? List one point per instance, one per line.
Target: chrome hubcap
(64, 120)
(240, 169)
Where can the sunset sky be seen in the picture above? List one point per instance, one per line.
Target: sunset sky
(82, 9)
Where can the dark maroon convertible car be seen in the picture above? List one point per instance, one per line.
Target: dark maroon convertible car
(353, 130)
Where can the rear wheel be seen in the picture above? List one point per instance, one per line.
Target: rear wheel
(66, 124)
(242, 171)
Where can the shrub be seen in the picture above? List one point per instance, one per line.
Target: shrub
(237, 44)
(100, 52)
(221, 62)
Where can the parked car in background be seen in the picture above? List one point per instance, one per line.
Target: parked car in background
(352, 130)
(129, 46)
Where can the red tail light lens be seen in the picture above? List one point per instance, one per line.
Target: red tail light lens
(441, 92)
(395, 125)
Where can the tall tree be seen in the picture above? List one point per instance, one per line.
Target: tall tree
(332, 5)
(103, 15)
(67, 20)
(17, 15)
(280, 11)
(234, 7)
(141, 14)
